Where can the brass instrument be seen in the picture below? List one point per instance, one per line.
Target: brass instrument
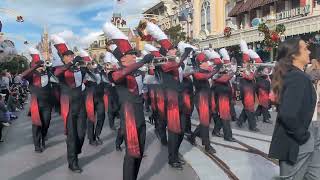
(47, 63)
(157, 61)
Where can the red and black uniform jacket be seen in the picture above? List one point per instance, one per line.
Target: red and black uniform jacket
(263, 90)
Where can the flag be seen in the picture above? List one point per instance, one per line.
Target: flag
(0, 26)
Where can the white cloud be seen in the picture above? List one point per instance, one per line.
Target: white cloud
(67, 35)
(86, 40)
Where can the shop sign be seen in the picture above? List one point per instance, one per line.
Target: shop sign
(300, 11)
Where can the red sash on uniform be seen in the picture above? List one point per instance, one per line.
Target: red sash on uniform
(263, 98)
(34, 109)
(173, 112)
(213, 103)
(64, 101)
(204, 114)
(160, 103)
(187, 102)
(90, 106)
(133, 146)
(249, 99)
(106, 101)
(153, 99)
(224, 108)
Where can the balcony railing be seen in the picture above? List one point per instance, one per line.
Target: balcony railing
(294, 26)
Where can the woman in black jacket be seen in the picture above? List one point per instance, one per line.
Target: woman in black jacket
(292, 142)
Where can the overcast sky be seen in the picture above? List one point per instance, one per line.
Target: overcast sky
(78, 21)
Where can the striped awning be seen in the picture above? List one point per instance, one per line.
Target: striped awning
(259, 3)
(252, 4)
(235, 10)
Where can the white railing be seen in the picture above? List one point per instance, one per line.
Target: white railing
(295, 26)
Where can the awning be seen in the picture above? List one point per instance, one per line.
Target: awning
(235, 10)
(252, 4)
(246, 6)
(259, 3)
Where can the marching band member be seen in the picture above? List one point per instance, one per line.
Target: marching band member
(155, 94)
(203, 99)
(187, 86)
(111, 102)
(128, 82)
(169, 75)
(223, 96)
(72, 101)
(40, 106)
(94, 100)
(263, 90)
(247, 92)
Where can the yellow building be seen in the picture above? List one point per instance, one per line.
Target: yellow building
(209, 17)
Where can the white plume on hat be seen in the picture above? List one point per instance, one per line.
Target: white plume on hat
(224, 54)
(182, 46)
(83, 53)
(112, 32)
(244, 47)
(253, 55)
(155, 31)
(33, 50)
(57, 39)
(150, 48)
(211, 54)
(144, 52)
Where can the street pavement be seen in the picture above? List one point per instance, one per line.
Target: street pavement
(19, 162)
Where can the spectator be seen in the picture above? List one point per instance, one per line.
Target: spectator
(3, 112)
(4, 84)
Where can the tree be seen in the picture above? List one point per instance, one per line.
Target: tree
(176, 34)
(16, 64)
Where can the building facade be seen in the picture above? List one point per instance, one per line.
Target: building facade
(299, 17)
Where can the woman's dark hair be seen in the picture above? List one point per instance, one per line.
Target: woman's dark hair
(286, 50)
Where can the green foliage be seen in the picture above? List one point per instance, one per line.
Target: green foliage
(15, 64)
(175, 34)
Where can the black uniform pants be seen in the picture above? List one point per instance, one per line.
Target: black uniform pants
(76, 128)
(175, 139)
(113, 108)
(40, 132)
(131, 164)
(95, 131)
(223, 123)
(245, 114)
(264, 112)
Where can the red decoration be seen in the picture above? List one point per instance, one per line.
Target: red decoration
(227, 32)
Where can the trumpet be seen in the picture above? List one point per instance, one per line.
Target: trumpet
(47, 63)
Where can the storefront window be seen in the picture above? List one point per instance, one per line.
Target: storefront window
(205, 16)
(295, 4)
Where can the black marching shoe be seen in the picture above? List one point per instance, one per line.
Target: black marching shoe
(239, 124)
(209, 149)
(255, 129)
(181, 160)
(176, 165)
(218, 134)
(74, 167)
(268, 121)
(99, 141)
(118, 148)
(230, 139)
(38, 150)
(93, 143)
